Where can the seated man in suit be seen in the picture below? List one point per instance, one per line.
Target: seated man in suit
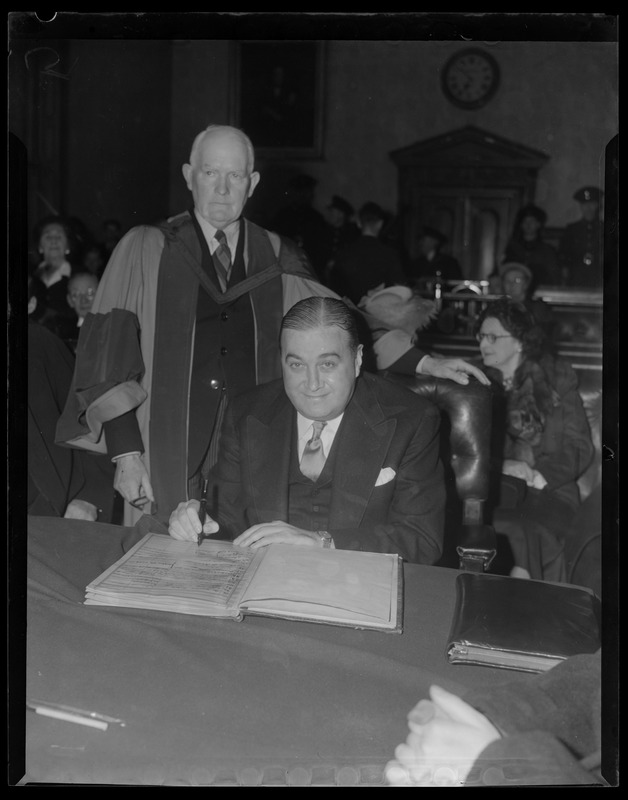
(326, 456)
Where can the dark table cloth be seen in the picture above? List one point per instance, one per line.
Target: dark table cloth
(219, 702)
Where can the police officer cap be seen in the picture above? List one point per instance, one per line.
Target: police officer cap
(341, 204)
(588, 193)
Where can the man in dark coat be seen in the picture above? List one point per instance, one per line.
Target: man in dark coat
(581, 251)
(379, 484)
(61, 482)
(186, 315)
(432, 259)
(367, 262)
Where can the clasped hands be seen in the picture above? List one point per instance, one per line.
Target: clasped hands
(184, 524)
(446, 737)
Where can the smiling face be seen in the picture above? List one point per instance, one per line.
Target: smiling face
(220, 178)
(505, 352)
(319, 370)
(53, 243)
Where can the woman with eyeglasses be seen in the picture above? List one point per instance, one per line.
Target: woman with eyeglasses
(541, 439)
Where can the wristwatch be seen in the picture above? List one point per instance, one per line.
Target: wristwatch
(325, 538)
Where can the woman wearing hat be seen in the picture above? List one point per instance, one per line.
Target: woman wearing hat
(526, 246)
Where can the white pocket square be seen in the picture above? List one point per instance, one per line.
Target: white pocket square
(385, 476)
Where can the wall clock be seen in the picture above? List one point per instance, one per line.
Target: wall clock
(470, 78)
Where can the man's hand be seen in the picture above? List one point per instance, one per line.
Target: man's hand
(522, 470)
(446, 737)
(132, 481)
(184, 522)
(81, 509)
(455, 369)
(277, 532)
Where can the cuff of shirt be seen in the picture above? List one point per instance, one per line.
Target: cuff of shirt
(123, 455)
(419, 366)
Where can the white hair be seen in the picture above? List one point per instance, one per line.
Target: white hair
(227, 128)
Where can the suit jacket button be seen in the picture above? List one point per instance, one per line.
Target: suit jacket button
(214, 384)
(223, 351)
(224, 316)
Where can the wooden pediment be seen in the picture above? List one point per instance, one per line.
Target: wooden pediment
(468, 147)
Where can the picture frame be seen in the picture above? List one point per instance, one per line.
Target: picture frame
(277, 96)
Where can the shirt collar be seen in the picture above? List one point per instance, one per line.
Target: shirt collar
(304, 426)
(231, 232)
(50, 277)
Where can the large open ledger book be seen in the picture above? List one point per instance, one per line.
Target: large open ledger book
(218, 579)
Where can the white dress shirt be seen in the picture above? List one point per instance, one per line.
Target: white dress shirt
(306, 429)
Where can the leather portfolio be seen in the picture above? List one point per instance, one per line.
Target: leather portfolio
(518, 624)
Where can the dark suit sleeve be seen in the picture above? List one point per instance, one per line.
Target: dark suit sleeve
(550, 724)
(406, 514)
(226, 482)
(408, 362)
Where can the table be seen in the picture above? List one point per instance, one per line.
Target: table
(218, 702)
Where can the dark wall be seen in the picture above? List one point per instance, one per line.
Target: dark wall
(119, 107)
(131, 106)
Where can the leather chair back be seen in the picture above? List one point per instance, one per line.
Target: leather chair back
(468, 409)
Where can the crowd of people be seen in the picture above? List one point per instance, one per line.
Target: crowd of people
(209, 349)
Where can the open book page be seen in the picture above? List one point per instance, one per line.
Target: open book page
(163, 573)
(335, 585)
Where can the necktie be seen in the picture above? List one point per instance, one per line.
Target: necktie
(222, 257)
(313, 458)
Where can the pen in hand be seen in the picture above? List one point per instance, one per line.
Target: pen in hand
(202, 512)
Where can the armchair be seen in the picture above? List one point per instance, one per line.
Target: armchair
(466, 411)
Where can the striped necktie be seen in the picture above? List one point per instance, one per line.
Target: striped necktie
(222, 257)
(313, 458)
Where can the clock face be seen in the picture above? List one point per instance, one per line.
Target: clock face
(470, 78)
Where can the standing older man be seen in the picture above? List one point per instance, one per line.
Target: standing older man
(327, 456)
(187, 314)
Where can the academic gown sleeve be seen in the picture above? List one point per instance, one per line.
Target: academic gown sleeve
(115, 344)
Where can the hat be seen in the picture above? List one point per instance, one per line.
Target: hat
(515, 265)
(587, 194)
(532, 211)
(341, 204)
(433, 233)
(397, 308)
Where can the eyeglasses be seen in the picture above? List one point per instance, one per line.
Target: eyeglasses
(89, 294)
(492, 337)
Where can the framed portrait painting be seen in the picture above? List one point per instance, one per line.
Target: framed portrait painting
(277, 96)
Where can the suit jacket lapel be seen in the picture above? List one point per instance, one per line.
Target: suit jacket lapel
(269, 436)
(365, 435)
(262, 267)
